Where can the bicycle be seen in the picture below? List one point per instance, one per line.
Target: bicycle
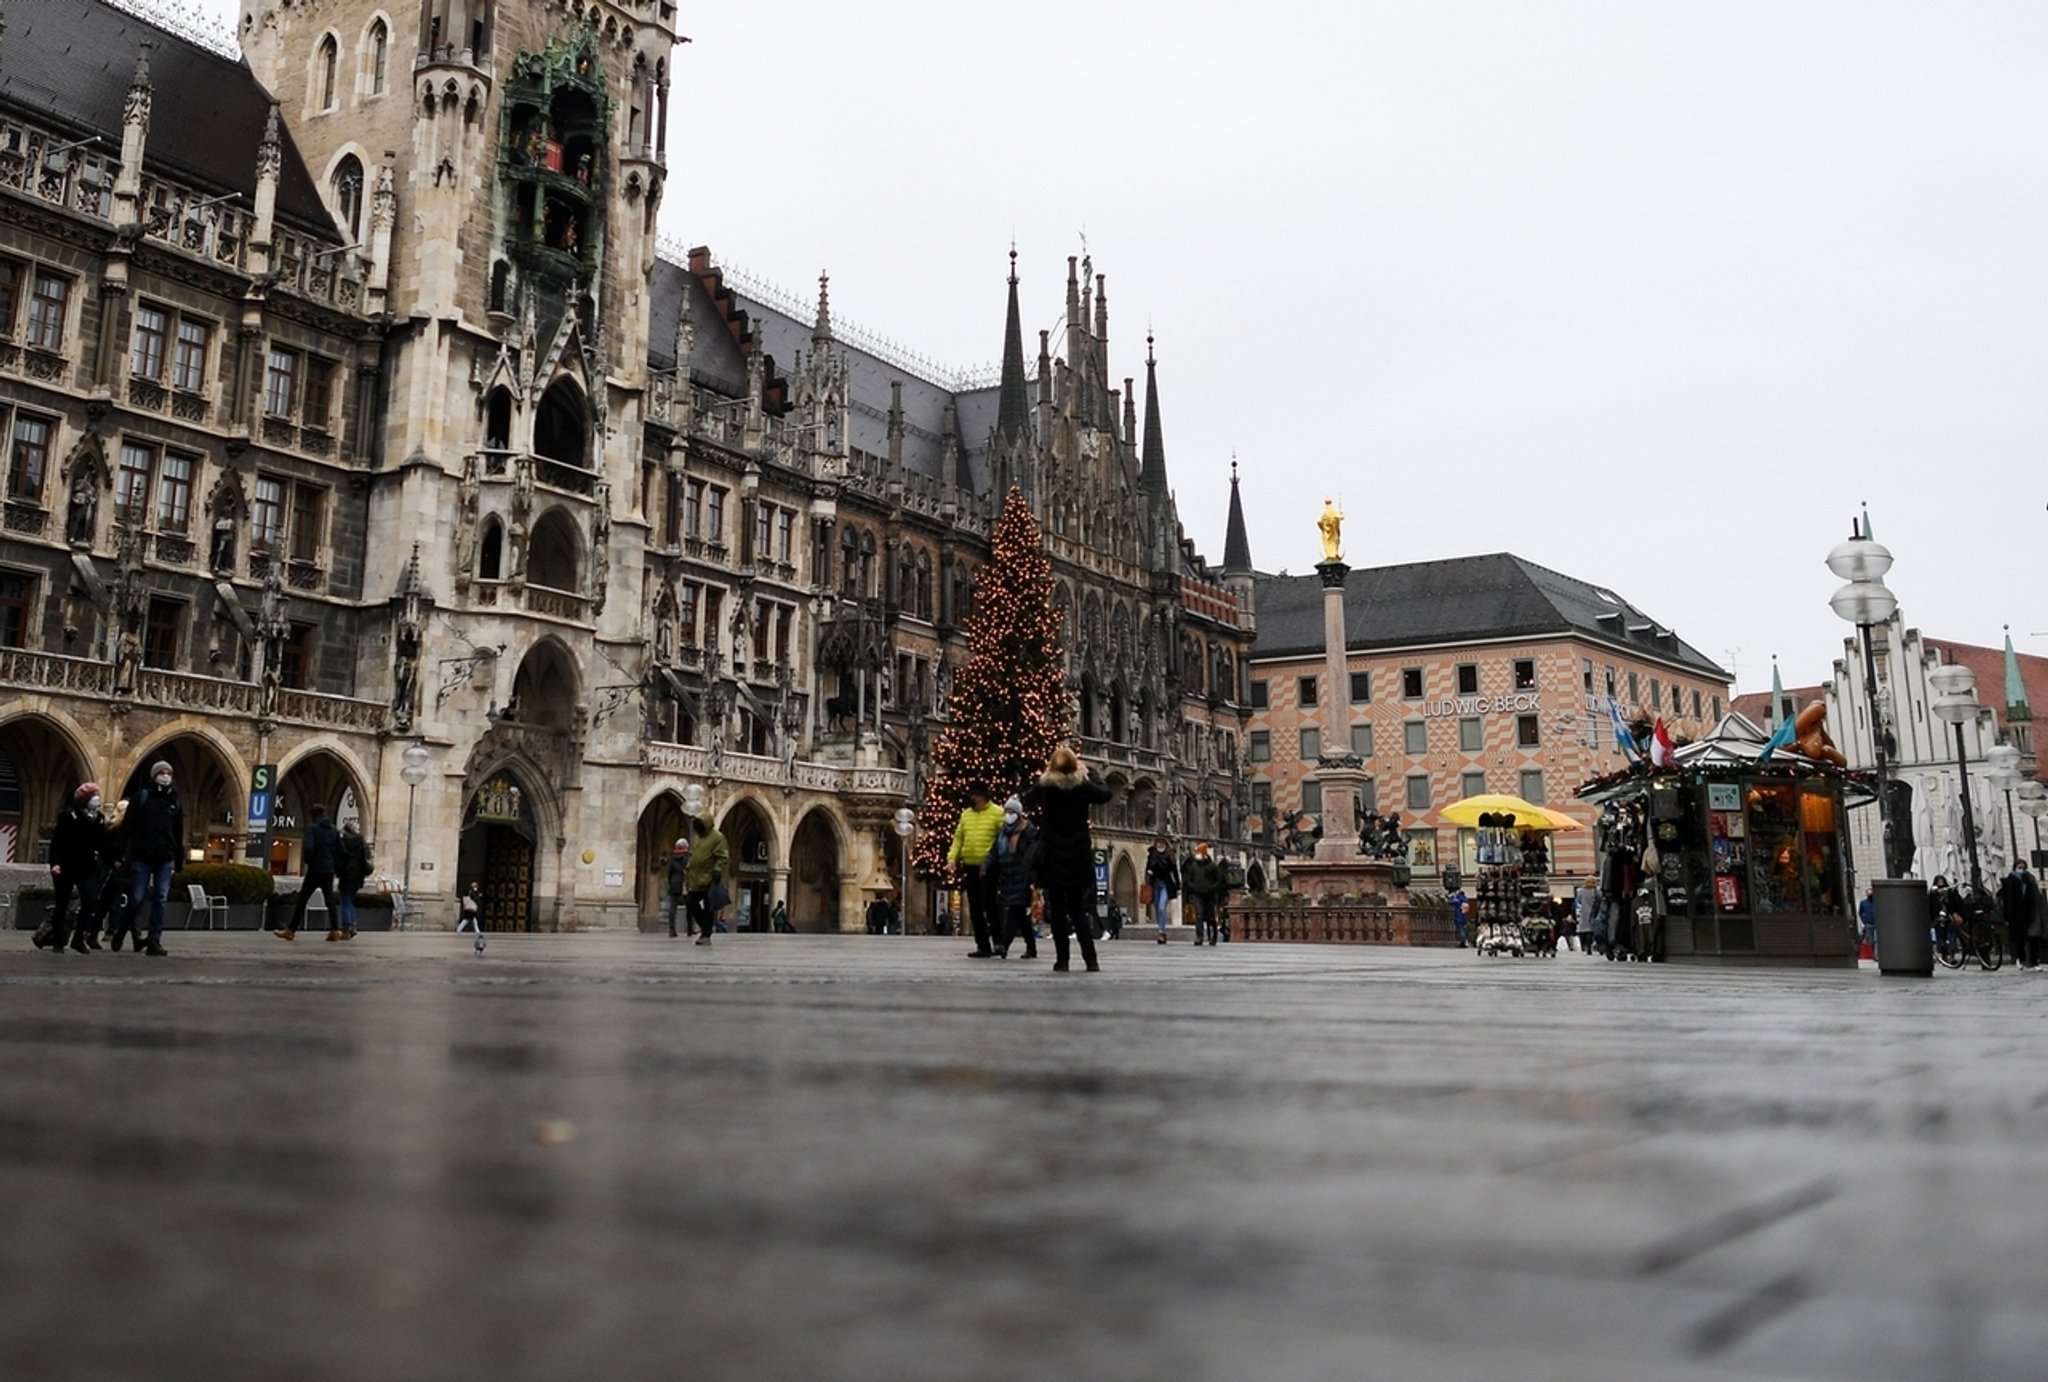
(1969, 929)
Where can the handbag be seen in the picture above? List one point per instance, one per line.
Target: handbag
(1145, 895)
(717, 899)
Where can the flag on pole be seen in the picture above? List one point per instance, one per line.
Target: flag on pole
(1780, 737)
(1623, 739)
(1663, 753)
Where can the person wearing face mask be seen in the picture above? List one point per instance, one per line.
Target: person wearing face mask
(1016, 855)
(156, 840)
(1066, 853)
(75, 846)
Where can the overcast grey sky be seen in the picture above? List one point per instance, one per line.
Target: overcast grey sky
(1650, 293)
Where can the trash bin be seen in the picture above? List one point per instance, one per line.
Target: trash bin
(1905, 939)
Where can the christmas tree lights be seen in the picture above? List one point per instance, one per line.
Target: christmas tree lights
(1009, 707)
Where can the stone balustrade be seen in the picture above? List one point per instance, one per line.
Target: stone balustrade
(1282, 917)
(688, 760)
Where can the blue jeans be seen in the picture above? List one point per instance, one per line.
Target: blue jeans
(156, 879)
(345, 907)
(1161, 900)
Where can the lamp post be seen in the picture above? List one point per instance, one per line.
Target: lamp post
(2003, 761)
(1865, 601)
(1955, 701)
(906, 826)
(412, 771)
(2034, 802)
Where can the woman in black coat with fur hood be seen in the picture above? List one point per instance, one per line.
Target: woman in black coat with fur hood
(1066, 853)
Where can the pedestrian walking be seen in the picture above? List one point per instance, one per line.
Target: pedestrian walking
(114, 906)
(351, 869)
(1202, 882)
(704, 880)
(77, 842)
(1461, 905)
(469, 910)
(678, 873)
(974, 839)
(1586, 906)
(1567, 913)
(1016, 856)
(2019, 902)
(1866, 916)
(779, 919)
(1162, 876)
(1066, 854)
(319, 854)
(156, 845)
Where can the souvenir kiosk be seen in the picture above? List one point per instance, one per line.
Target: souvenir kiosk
(1732, 854)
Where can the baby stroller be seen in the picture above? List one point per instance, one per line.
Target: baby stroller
(1539, 933)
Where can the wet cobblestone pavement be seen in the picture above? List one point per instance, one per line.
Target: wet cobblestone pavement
(808, 1157)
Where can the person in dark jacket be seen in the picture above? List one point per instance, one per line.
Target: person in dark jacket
(1202, 879)
(352, 868)
(1016, 853)
(1162, 875)
(319, 852)
(2019, 896)
(678, 874)
(1066, 853)
(708, 862)
(156, 845)
(76, 844)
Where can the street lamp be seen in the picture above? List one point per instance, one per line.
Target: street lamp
(1865, 601)
(2003, 760)
(2034, 802)
(906, 828)
(412, 771)
(1955, 701)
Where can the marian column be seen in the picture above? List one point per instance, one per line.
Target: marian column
(1340, 771)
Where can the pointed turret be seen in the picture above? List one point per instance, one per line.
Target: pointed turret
(2017, 708)
(1013, 403)
(822, 332)
(1237, 545)
(1777, 715)
(1152, 465)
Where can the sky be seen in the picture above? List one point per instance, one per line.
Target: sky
(1655, 294)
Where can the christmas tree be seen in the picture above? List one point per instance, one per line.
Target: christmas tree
(1009, 706)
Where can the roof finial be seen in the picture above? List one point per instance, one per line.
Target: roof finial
(1148, 345)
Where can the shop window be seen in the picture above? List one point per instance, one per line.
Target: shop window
(1418, 791)
(1532, 785)
(1361, 688)
(29, 457)
(1411, 683)
(1258, 694)
(1414, 738)
(17, 607)
(1471, 784)
(1306, 692)
(1262, 746)
(1361, 740)
(1311, 745)
(46, 308)
(160, 632)
(1468, 679)
(1525, 674)
(1526, 734)
(1312, 797)
(1471, 735)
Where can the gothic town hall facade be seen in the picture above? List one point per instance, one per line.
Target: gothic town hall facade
(350, 407)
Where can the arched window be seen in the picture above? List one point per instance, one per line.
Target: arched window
(558, 431)
(380, 51)
(556, 553)
(490, 561)
(501, 286)
(325, 69)
(348, 197)
(498, 420)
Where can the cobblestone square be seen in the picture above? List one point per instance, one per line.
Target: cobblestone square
(861, 1157)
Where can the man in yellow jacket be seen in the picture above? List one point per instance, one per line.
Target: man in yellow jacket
(705, 872)
(974, 841)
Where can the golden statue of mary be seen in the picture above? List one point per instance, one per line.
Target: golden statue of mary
(1331, 525)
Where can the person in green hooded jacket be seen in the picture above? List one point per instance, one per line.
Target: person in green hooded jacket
(706, 871)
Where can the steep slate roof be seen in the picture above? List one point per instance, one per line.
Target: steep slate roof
(1237, 545)
(1459, 600)
(72, 60)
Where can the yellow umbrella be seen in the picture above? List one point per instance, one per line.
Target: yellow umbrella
(1528, 815)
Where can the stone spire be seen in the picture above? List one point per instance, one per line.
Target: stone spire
(822, 332)
(1013, 403)
(2017, 707)
(1152, 460)
(1237, 546)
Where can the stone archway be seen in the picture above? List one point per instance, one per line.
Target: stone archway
(661, 824)
(40, 767)
(547, 690)
(210, 785)
(814, 868)
(750, 841)
(1123, 885)
(320, 777)
(499, 850)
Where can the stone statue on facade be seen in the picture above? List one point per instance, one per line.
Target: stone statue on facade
(83, 518)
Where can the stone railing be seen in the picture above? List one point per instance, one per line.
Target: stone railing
(556, 604)
(22, 667)
(52, 672)
(688, 760)
(187, 692)
(1282, 917)
(337, 712)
